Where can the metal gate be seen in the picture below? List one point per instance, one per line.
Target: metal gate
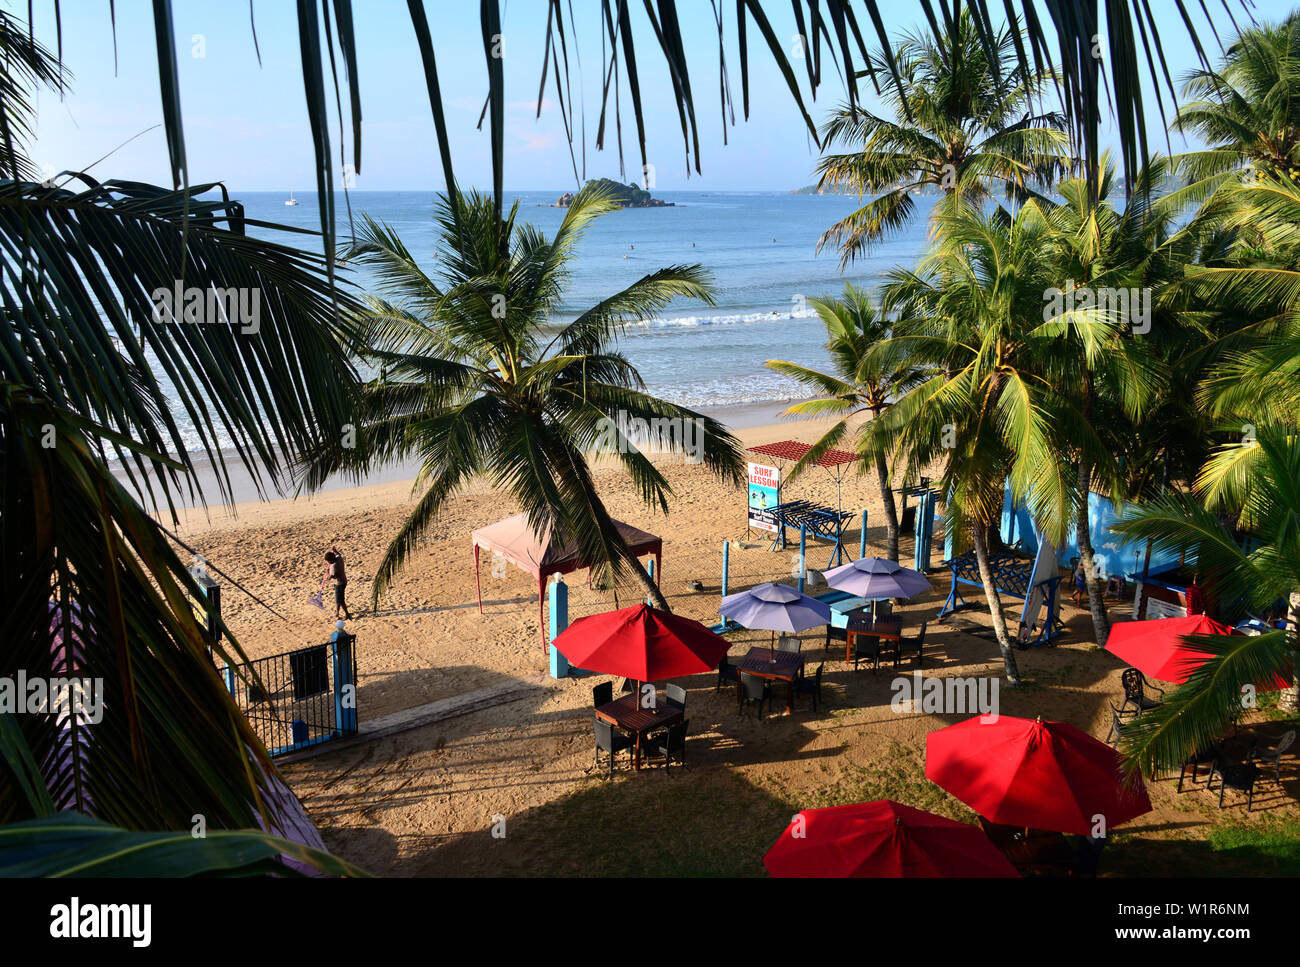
(305, 697)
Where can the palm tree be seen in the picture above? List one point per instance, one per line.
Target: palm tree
(962, 122)
(862, 382)
(1255, 482)
(476, 379)
(994, 410)
(1109, 251)
(1246, 110)
(92, 374)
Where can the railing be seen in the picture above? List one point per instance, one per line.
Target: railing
(305, 697)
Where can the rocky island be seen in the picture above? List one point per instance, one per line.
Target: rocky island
(625, 196)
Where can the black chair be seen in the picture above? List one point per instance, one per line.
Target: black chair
(1274, 755)
(602, 694)
(1112, 737)
(789, 643)
(726, 675)
(865, 648)
(1088, 854)
(669, 745)
(676, 696)
(1135, 686)
(1240, 776)
(754, 689)
(611, 742)
(1197, 759)
(804, 685)
(914, 645)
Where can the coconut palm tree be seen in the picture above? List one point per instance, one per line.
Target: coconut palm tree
(995, 408)
(1245, 109)
(100, 371)
(478, 380)
(862, 382)
(1255, 482)
(962, 121)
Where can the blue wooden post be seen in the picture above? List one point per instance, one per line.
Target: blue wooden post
(228, 674)
(650, 569)
(558, 605)
(924, 531)
(803, 548)
(862, 537)
(345, 696)
(726, 560)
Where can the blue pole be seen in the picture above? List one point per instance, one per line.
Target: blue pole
(650, 569)
(862, 537)
(558, 606)
(803, 547)
(726, 559)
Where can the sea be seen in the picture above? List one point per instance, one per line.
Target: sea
(759, 247)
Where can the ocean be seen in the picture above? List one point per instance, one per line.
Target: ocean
(759, 246)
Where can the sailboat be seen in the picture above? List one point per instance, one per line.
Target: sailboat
(292, 200)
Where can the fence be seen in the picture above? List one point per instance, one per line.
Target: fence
(305, 697)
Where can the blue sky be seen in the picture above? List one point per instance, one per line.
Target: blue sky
(247, 125)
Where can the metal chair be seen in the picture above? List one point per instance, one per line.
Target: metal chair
(726, 675)
(1135, 686)
(669, 745)
(754, 689)
(1197, 759)
(676, 696)
(1274, 755)
(804, 685)
(865, 648)
(916, 645)
(1115, 724)
(602, 694)
(611, 742)
(1240, 776)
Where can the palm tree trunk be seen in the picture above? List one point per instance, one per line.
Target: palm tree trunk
(644, 578)
(1083, 530)
(887, 498)
(1289, 699)
(1096, 592)
(995, 606)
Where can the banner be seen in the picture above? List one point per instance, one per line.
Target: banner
(764, 494)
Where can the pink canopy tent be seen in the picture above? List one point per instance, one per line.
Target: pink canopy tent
(541, 555)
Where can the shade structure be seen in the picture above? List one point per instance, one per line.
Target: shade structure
(882, 838)
(641, 642)
(544, 553)
(775, 607)
(1027, 772)
(876, 577)
(1156, 648)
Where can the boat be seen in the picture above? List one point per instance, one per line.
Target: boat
(292, 200)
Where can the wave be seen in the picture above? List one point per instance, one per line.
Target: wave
(727, 319)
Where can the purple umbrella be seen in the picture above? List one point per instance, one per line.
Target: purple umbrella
(775, 607)
(875, 577)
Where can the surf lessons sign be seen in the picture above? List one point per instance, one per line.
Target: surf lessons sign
(764, 495)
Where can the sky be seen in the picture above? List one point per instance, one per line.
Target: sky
(247, 124)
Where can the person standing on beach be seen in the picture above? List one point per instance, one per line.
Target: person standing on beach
(335, 574)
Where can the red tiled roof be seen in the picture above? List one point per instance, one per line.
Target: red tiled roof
(794, 450)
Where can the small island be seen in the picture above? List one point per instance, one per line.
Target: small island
(625, 196)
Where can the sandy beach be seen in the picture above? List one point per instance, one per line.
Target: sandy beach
(426, 801)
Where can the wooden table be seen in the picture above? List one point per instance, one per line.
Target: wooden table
(886, 629)
(773, 664)
(627, 714)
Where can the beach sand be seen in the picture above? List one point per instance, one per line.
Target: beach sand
(428, 801)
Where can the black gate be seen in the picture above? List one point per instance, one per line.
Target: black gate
(305, 697)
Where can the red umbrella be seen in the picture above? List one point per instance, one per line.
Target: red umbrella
(1156, 648)
(882, 838)
(1046, 775)
(641, 643)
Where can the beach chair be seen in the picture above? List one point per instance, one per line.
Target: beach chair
(1197, 759)
(1274, 755)
(602, 694)
(789, 643)
(676, 696)
(669, 745)
(915, 645)
(1239, 776)
(1135, 686)
(1112, 737)
(811, 686)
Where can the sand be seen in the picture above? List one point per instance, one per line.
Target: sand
(428, 801)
